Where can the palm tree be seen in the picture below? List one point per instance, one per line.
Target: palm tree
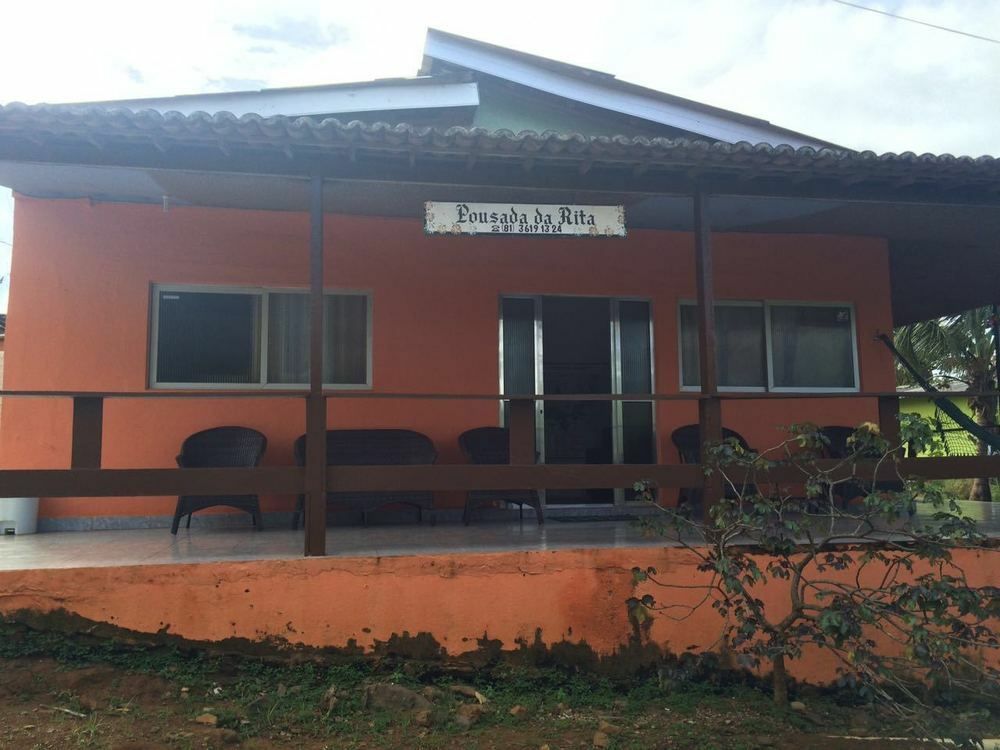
(957, 349)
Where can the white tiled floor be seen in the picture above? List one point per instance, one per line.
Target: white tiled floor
(157, 546)
(198, 545)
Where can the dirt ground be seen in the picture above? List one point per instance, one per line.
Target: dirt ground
(46, 704)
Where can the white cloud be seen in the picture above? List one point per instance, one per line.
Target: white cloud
(855, 78)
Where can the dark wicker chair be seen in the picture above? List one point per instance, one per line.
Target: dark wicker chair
(836, 448)
(491, 445)
(216, 448)
(687, 441)
(372, 448)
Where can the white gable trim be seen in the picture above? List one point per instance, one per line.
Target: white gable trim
(449, 49)
(319, 100)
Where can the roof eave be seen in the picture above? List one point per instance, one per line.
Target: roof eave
(288, 146)
(369, 96)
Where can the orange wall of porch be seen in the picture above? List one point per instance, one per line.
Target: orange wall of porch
(565, 596)
(79, 310)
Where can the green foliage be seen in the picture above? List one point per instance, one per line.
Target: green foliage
(166, 661)
(958, 348)
(547, 687)
(692, 701)
(867, 580)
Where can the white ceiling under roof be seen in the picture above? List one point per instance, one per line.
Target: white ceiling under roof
(174, 188)
(396, 94)
(605, 91)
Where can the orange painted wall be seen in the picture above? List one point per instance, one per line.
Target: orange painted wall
(79, 312)
(456, 598)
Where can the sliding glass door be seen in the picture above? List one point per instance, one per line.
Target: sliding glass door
(579, 346)
(635, 376)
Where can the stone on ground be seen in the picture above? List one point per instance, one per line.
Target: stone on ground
(468, 714)
(330, 698)
(223, 737)
(468, 691)
(608, 728)
(390, 697)
(432, 693)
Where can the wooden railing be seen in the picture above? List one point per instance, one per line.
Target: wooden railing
(86, 478)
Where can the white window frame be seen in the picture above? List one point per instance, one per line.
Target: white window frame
(812, 389)
(263, 292)
(767, 304)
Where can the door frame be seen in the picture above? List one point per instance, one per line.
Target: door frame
(539, 380)
(615, 342)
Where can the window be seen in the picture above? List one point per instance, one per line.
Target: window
(219, 337)
(740, 346)
(812, 347)
(208, 338)
(345, 359)
(517, 315)
(776, 346)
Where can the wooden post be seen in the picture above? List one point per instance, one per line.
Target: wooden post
(888, 419)
(709, 406)
(315, 505)
(88, 432)
(521, 432)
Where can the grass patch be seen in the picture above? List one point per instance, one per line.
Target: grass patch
(288, 703)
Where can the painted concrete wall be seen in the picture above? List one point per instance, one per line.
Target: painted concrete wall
(560, 597)
(80, 321)
(1, 369)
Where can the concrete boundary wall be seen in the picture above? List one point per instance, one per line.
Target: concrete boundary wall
(456, 605)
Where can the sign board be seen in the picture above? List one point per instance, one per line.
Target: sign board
(524, 218)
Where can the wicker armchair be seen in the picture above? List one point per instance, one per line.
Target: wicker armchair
(687, 441)
(216, 448)
(372, 448)
(837, 448)
(491, 445)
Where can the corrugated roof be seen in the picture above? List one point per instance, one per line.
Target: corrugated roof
(42, 119)
(930, 278)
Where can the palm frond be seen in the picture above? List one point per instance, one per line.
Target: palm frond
(955, 348)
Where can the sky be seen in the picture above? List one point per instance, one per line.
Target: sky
(856, 78)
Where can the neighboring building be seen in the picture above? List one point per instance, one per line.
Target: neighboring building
(955, 441)
(160, 248)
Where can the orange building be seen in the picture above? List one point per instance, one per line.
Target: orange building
(435, 305)
(502, 240)
(163, 252)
